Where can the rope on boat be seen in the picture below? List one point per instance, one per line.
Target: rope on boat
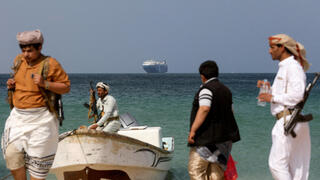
(66, 134)
(82, 149)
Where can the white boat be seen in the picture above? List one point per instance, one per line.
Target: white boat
(153, 66)
(135, 153)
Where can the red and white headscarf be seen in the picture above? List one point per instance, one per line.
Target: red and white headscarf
(296, 48)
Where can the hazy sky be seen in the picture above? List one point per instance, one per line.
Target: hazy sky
(116, 36)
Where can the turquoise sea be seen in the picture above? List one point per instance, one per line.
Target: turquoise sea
(165, 100)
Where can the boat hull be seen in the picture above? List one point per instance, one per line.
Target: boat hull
(106, 152)
(155, 68)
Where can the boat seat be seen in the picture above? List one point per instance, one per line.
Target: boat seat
(127, 120)
(150, 135)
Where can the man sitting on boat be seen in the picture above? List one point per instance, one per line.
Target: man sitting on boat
(109, 121)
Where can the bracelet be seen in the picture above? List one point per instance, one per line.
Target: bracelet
(46, 84)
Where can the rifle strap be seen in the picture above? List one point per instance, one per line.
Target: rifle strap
(43, 71)
(44, 66)
(16, 65)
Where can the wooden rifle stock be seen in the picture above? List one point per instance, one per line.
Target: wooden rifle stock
(93, 112)
(296, 116)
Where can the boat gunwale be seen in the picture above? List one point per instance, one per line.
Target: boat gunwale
(122, 138)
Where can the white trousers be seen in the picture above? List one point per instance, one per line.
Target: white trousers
(289, 157)
(111, 127)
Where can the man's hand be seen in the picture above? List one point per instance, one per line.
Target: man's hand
(191, 137)
(200, 117)
(38, 80)
(56, 87)
(11, 83)
(93, 126)
(265, 97)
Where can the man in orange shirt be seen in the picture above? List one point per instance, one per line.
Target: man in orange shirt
(30, 137)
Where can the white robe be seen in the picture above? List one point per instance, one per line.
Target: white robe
(289, 157)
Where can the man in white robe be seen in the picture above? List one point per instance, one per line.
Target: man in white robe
(289, 157)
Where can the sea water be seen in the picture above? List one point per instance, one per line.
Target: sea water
(165, 100)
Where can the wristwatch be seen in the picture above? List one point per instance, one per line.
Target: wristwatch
(46, 84)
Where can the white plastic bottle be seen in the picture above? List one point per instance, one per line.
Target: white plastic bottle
(264, 88)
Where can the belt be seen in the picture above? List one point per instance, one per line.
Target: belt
(284, 112)
(113, 118)
(110, 119)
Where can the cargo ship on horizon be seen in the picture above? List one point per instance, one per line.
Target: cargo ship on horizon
(153, 66)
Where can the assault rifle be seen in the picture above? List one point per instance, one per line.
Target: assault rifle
(296, 116)
(92, 106)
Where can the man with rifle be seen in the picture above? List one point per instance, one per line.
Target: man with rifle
(107, 105)
(289, 157)
(296, 116)
(30, 137)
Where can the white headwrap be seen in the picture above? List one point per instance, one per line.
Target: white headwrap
(30, 37)
(103, 85)
(296, 48)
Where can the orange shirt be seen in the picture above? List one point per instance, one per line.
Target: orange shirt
(27, 94)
